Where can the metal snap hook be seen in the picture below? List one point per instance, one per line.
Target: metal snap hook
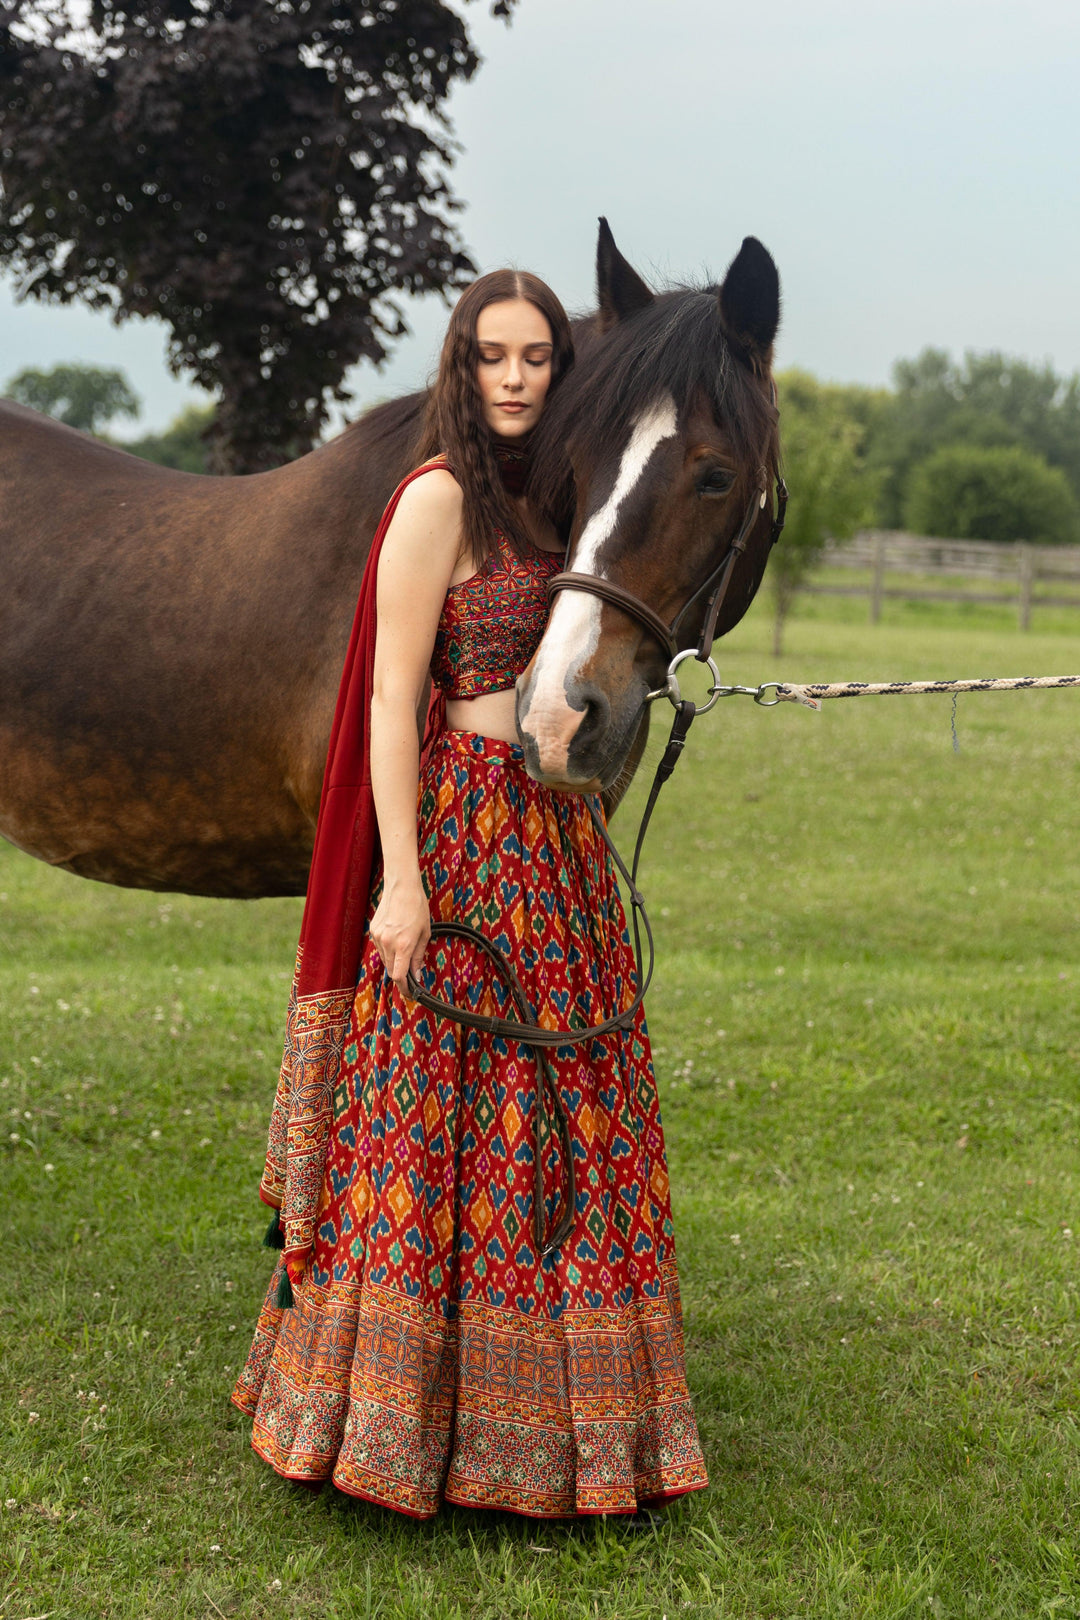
(672, 690)
(767, 703)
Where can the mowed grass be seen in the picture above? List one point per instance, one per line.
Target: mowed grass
(867, 1038)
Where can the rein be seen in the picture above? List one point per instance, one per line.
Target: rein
(525, 1028)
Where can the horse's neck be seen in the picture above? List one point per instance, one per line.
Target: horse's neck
(351, 477)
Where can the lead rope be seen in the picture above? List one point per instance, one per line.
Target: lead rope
(812, 695)
(526, 1030)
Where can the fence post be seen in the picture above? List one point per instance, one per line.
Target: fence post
(878, 580)
(1025, 563)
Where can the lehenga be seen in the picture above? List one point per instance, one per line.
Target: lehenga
(432, 1354)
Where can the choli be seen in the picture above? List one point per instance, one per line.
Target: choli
(492, 622)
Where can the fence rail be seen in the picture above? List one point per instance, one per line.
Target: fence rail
(1025, 567)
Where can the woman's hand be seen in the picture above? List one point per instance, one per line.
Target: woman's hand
(401, 928)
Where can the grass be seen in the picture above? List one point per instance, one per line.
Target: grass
(867, 1033)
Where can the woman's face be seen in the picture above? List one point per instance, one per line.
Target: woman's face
(514, 369)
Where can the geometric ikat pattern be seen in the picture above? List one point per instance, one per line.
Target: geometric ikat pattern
(431, 1354)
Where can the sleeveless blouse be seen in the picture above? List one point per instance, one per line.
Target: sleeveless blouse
(492, 622)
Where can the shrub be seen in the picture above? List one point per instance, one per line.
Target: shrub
(1000, 492)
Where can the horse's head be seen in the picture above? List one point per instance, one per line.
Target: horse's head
(662, 439)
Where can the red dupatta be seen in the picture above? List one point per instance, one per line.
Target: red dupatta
(332, 930)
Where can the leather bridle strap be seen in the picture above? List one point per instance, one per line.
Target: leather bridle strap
(626, 601)
(523, 1029)
(721, 578)
(718, 582)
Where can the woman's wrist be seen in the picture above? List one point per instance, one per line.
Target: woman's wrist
(399, 877)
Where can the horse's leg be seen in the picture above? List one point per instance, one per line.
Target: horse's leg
(612, 797)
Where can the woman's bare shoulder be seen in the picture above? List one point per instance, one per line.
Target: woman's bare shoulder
(434, 498)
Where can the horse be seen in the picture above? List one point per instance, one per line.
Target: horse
(662, 447)
(171, 644)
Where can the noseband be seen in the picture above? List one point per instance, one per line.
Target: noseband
(667, 635)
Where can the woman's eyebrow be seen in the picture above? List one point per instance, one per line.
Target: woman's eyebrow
(496, 343)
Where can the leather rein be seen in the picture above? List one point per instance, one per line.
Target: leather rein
(525, 1028)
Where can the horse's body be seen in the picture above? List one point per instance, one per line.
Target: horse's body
(170, 645)
(170, 649)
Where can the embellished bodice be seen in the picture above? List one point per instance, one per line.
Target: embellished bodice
(492, 622)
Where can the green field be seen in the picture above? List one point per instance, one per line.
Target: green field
(867, 1035)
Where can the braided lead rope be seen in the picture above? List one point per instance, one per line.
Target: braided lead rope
(813, 695)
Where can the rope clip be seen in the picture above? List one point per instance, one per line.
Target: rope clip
(793, 695)
(673, 692)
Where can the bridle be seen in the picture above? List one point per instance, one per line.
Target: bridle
(525, 1028)
(718, 581)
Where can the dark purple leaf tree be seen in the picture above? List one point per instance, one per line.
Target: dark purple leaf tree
(263, 175)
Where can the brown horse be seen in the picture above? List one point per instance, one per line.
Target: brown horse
(666, 436)
(170, 645)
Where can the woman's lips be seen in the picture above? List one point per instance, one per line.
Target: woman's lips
(512, 405)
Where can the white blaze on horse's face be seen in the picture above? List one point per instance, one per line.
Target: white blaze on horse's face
(546, 717)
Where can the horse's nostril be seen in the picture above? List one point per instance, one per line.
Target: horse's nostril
(596, 715)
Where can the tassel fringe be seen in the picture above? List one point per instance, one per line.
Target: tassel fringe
(283, 1299)
(275, 1237)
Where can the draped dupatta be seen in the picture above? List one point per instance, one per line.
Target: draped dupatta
(332, 930)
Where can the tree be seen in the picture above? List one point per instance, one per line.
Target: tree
(261, 175)
(183, 443)
(85, 397)
(988, 400)
(1001, 493)
(831, 491)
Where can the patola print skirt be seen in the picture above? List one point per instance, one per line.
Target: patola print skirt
(432, 1355)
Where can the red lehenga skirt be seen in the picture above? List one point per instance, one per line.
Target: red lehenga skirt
(431, 1354)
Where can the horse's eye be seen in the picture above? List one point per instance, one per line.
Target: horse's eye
(718, 481)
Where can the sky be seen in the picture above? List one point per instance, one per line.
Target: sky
(913, 167)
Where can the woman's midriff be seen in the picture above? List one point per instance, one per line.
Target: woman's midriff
(491, 715)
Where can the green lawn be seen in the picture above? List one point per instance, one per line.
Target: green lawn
(867, 1036)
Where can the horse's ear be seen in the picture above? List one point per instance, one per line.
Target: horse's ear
(620, 291)
(750, 303)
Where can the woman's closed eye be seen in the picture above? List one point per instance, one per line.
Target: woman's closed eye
(529, 359)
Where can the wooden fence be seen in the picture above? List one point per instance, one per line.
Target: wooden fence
(1023, 567)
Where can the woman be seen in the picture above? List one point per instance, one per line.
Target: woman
(431, 1334)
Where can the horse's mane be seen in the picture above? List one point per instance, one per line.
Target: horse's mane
(675, 345)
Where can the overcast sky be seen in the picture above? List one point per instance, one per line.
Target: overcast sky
(912, 166)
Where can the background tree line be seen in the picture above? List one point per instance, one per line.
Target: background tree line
(984, 449)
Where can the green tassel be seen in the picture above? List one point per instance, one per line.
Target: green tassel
(275, 1237)
(283, 1299)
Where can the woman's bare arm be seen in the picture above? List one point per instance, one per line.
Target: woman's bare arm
(418, 558)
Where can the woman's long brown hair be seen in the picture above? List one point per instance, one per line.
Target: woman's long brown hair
(454, 418)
